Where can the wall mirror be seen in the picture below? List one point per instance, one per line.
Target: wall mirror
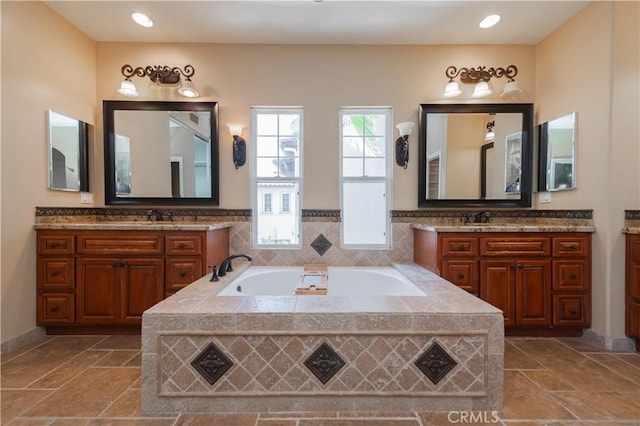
(67, 152)
(161, 153)
(475, 155)
(557, 164)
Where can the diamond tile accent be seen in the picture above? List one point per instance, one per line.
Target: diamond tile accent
(435, 363)
(321, 244)
(211, 363)
(324, 363)
(276, 363)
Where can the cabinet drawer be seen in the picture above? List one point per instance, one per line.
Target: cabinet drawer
(56, 273)
(182, 272)
(55, 244)
(186, 245)
(571, 275)
(632, 325)
(633, 247)
(454, 246)
(518, 246)
(124, 244)
(56, 308)
(571, 310)
(571, 246)
(463, 273)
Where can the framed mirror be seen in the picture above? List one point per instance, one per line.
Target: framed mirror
(475, 155)
(557, 156)
(67, 153)
(161, 153)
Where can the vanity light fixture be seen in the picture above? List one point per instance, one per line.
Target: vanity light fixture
(402, 143)
(480, 77)
(159, 74)
(239, 145)
(491, 135)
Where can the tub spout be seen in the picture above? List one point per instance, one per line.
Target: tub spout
(225, 266)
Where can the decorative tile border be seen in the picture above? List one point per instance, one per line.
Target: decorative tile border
(632, 214)
(104, 212)
(556, 214)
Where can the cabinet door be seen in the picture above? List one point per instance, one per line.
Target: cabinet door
(533, 292)
(463, 273)
(142, 287)
(496, 286)
(98, 290)
(182, 272)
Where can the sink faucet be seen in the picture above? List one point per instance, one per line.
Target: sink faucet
(481, 217)
(156, 213)
(225, 266)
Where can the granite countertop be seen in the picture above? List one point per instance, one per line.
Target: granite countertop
(631, 230)
(505, 227)
(135, 226)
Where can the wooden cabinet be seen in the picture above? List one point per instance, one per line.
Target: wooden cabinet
(109, 278)
(541, 281)
(632, 288)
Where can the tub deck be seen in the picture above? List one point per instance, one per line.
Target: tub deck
(439, 352)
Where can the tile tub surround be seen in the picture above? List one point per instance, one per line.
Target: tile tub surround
(263, 343)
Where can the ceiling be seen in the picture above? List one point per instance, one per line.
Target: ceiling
(319, 22)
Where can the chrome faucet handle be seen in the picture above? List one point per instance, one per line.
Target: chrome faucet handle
(149, 213)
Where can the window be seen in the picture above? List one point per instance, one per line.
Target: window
(365, 177)
(266, 203)
(277, 161)
(284, 206)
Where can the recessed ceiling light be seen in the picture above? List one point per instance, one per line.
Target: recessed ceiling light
(489, 21)
(142, 19)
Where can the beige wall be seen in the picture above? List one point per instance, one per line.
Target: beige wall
(67, 72)
(590, 65)
(46, 64)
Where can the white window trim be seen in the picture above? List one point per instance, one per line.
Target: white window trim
(388, 179)
(255, 180)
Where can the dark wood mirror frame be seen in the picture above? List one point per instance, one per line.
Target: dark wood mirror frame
(527, 154)
(109, 109)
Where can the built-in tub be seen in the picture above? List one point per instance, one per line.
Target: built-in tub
(343, 281)
(441, 351)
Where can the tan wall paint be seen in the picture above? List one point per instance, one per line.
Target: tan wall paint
(46, 64)
(590, 65)
(321, 79)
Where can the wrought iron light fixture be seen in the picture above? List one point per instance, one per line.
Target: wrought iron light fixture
(159, 74)
(480, 77)
(239, 145)
(402, 143)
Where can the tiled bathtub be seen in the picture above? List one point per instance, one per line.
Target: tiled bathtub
(440, 351)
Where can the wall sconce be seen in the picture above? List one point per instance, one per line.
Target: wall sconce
(490, 136)
(239, 145)
(480, 77)
(159, 75)
(402, 143)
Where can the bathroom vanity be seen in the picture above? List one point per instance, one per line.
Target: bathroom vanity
(632, 286)
(93, 276)
(539, 276)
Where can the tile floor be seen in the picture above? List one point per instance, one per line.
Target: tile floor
(95, 380)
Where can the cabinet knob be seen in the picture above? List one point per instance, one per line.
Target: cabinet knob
(121, 264)
(54, 309)
(461, 276)
(54, 245)
(54, 273)
(182, 274)
(573, 247)
(180, 246)
(573, 311)
(573, 276)
(114, 264)
(460, 247)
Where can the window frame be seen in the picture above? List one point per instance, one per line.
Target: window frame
(387, 178)
(295, 180)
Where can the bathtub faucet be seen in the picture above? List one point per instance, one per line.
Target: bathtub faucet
(225, 266)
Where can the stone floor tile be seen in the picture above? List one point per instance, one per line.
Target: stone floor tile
(548, 380)
(134, 422)
(68, 370)
(120, 342)
(524, 400)
(614, 363)
(15, 401)
(358, 422)
(118, 358)
(277, 422)
(601, 405)
(630, 358)
(466, 418)
(216, 420)
(515, 358)
(88, 394)
(16, 352)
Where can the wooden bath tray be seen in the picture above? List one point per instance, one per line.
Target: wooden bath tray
(313, 280)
